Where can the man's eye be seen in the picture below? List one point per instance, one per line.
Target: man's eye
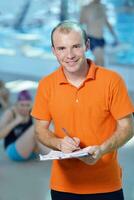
(61, 48)
(76, 46)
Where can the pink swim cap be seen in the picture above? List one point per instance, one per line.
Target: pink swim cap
(24, 95)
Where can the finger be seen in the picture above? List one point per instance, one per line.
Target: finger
(77, 140)
(91, 150)
(87, 160)
(68, 145)
(70, 140)
(67, 149)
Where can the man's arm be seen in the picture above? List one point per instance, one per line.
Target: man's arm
(83, 18)
(49, 139)
(45, 136)
(123, 133)
(109, 26)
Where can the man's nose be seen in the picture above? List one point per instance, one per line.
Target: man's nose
(70, 53)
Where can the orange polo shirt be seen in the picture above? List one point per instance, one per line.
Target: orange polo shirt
(89, 113)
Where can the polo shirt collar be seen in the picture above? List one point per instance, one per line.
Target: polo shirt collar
(92, 70)
(90, 75)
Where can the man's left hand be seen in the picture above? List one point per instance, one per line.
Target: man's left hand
(95, 153)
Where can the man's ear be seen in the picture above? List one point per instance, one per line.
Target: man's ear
(53, 50)
(87, 44)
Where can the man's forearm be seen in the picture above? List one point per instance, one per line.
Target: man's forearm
(118, 139)
(112, 31)
(48, 138)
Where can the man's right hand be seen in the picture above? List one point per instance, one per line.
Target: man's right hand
(69, 144)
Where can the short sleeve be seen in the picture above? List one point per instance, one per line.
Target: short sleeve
(40, 108)
(120, 102)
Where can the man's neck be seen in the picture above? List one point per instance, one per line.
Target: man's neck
(79, 77)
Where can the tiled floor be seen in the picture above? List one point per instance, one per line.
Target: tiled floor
(23, 181)
(30, 180)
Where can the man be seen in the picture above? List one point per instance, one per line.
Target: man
(91, 103)
(93, 16)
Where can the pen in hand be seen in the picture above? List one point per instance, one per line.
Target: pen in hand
(67, 134)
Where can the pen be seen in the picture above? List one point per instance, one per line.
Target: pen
(67, 134)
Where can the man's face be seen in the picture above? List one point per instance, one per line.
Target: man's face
(69, 48)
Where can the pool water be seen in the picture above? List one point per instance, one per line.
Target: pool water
(123, 23)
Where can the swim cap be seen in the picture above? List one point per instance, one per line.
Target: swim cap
(24, 95)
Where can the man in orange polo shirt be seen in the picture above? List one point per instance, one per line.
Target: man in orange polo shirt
(93, 105)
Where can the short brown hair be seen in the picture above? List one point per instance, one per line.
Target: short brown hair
(66, 27)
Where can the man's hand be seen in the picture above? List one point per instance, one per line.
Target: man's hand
(69, 144)
(115, 43)
(95, 153)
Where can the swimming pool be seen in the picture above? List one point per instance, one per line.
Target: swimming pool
(122, 21)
